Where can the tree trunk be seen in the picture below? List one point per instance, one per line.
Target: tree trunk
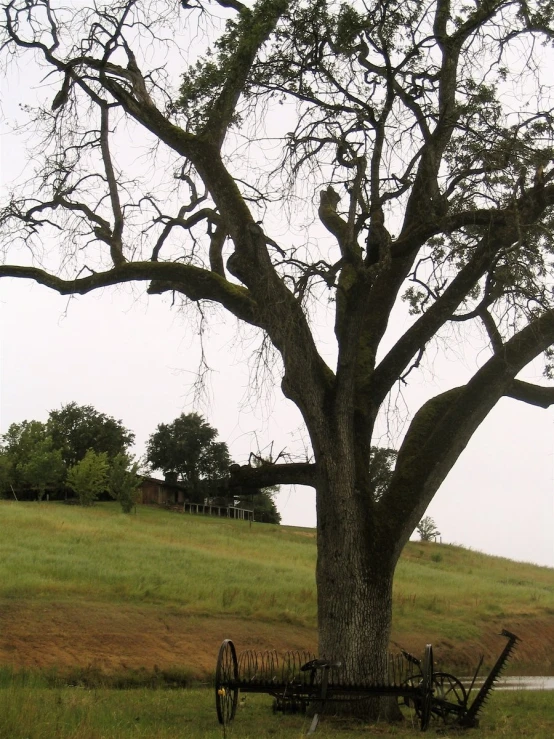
(354, 574)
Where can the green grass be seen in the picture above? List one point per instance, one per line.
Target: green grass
(33, 712)
(52, 553)
(196, 566)
(201, 565)
(206, 566)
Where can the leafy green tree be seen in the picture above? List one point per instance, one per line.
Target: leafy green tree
(44, 468)
(6, 474)
(124, 481)
(77, 428)
(415, 151)
(187, 449)
(31, 460)
(89, 477)
(19, 442)
(427, 529)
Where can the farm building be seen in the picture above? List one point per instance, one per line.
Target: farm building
(172, 494)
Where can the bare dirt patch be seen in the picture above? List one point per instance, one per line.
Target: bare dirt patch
(115, 638)
(112, 639)
(534, 654)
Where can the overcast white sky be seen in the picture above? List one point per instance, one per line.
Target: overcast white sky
(135, 358)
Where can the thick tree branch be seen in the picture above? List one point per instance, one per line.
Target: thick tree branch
(415, 338)
(530, 393)
(260, 22)
(508, 225)
(491, 329)
(194, 282)
(295, 473)
(234, 4)
(442, 428)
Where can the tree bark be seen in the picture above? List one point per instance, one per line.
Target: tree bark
(354, 576)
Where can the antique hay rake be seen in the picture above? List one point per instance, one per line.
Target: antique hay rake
(298, 680)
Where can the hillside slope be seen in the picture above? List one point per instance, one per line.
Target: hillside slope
(95, 589)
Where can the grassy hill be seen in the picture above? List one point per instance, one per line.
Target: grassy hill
(97, 591)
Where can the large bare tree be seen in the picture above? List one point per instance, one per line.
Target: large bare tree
(354, 154)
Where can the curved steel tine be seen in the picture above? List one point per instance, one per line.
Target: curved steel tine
(239, 664)
(247, 665)
(251, 665)
(259, 666)
(296, 665)
(302, 658)
(245, 662)
(268, 662)
(268, 666)
(264, 666)
(242, 666)
(274, 666)
(289, 667)
(284, 668)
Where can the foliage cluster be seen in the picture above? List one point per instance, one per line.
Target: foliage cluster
(187, 450)
(84, 450)
(77, 448)
(427, 529)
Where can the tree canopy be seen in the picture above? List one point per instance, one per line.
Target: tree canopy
(409, 165)
(89, 476)
(427, 529)
(124, 481)
(30, 459)
(187, 449)
(77, 428)
(37, 456)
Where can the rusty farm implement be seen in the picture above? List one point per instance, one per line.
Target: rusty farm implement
(298, 681)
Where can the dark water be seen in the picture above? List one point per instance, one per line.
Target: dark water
(517, 683)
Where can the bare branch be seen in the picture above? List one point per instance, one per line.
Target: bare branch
(115, 239)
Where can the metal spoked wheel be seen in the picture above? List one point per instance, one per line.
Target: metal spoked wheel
(450, 697)
(426, 688)
(226, 679)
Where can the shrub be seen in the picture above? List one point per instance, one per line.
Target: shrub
(89, 477)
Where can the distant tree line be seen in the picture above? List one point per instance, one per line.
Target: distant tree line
(78, 452)
(83, 454)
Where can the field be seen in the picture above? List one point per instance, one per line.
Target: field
(94, 593)
(92, 600)
(33, 712)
